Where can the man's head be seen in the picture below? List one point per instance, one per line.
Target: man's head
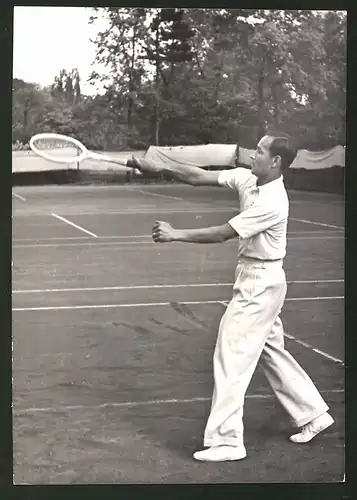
(275, 153)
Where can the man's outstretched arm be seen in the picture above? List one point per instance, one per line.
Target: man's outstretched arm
(195, 176)
(163, 232)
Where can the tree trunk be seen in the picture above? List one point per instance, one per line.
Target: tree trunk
(261, 124)
(218, 77)
(26, 114)
(275, 105)
(157, 97)
(129, 116)
(131, 87)
(157, 116)
(130, 112)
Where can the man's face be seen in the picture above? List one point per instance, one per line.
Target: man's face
(262, 162)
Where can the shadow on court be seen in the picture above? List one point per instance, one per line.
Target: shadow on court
(111, 389)
(155, 445)
(125, 398)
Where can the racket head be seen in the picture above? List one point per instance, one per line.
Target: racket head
(58, 148)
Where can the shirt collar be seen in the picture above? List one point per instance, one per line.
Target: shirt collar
(271, 185)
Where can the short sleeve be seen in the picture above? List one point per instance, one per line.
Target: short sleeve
(236, 178)
(254, 220)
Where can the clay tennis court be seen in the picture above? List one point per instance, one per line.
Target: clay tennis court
(113, 337)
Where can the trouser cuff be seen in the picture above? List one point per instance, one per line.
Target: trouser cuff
(311, 416)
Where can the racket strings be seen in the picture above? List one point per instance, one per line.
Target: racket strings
(57, 148)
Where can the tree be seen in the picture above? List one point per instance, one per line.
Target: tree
(141, 47)
(76, 85)
(59, 85)
(193, 76)
(66, 86)
(276, 62)
(68, 90)
(335, 30)
(167, 47)
(119, 48)
(27, 102)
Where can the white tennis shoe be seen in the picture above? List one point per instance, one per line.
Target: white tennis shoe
(313, 428)
(221, 453)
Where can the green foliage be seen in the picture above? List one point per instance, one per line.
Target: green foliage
(66, 86)
(20, 146)
(193, 76)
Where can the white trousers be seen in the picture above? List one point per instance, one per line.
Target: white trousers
(251, 331)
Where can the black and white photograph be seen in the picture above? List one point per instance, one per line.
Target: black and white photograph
(178, 245)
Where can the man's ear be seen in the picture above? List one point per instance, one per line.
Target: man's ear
(277, 161)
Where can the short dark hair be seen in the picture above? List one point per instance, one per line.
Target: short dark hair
(282, 145)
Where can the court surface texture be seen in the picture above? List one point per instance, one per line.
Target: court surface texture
(113, 337)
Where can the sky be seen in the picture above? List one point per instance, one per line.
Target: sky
(48, 39)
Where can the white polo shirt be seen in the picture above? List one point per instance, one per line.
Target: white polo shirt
(263, 218)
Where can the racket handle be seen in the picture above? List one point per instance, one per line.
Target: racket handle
(111, 159)
(130, 163)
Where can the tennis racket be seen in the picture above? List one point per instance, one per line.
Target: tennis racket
(63, 149)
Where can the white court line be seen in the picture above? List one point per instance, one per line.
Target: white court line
(18, 196)
(318, 351)
(149, 287)
(290, 299)
(321, 231)
(139, 243)
(139, 236)
(154, 210)
(156, 194)
(334, 237)
(142, 243)
(149, 304)
(305, 344)
(151, 402)
(65, 238)
(316, 223)
(125, 211)
(315, 298)
(111, 306)
(74, 225)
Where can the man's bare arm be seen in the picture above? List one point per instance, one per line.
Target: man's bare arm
(163, 232)
(195, 176)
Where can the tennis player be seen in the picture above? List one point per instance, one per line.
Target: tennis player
(250, 330)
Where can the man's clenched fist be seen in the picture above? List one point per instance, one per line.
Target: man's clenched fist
(163, 232)
(144, 165)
